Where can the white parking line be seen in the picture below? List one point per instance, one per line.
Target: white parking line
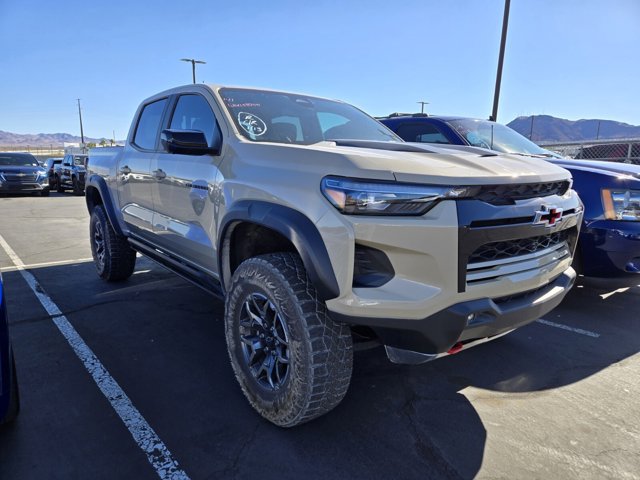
(46, 264)
(157, 453)
(567, 327)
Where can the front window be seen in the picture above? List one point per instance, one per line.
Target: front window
(263, 116)
(494, 136)
(18, 160)
(79, 161)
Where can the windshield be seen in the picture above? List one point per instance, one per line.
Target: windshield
(18, 160)
(262, 116)
(494, 136)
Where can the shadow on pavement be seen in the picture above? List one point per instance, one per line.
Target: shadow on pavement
(162, 339)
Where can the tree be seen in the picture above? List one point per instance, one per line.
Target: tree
(103, 142)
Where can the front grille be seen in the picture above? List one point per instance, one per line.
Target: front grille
(12, 178)
(514, 248)
(508, 194)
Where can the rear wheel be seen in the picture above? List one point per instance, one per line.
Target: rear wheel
(114, 259)
(77, 189)
(292, 361)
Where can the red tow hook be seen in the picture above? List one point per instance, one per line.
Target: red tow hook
(455, 349)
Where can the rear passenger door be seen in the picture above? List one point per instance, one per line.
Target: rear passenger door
(184, 187)
(133, 172)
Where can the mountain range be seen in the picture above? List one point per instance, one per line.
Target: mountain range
(41, 139)
(546, 129)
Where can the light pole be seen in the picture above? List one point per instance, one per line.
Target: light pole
(422, 104)
(503, 41)
(81, 130)
(193, 65)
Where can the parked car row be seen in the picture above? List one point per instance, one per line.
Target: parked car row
(609, 244)
(23, 173)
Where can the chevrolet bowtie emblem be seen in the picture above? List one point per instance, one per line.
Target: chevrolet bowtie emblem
(548, 216)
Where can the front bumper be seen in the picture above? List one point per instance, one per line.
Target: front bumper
(18, 187)
(467, 321)
(610, 249)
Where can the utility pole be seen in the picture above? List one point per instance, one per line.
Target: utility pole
(193, 65)
(503, 41)
(81, 129)
(598, 131)
(531, 131)
(422, 104)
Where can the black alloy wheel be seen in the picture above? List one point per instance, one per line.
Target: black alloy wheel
(265, 342)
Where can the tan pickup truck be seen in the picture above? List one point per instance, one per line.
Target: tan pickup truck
(320, 228)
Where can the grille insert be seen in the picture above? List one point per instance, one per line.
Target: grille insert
(514, 248)
(508, 194)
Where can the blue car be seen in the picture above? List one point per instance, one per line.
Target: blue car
(9, 401)
(609, 243)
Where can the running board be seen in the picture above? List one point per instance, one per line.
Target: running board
(190, 274)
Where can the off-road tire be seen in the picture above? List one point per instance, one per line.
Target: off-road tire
(77, 190)
(59, 187)
(14, 399)
(44, 193)
(320, 350)
(114, 259)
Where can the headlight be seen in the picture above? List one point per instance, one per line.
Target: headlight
(621, 204)
(360, 197)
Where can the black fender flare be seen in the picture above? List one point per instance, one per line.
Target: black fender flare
(293, 225)
(97, 182)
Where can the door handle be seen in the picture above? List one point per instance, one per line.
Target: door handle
(159, 174)
(125, 170)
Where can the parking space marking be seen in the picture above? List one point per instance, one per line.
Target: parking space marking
(157, 453)
(568, 328)
(13, 268)
(604, 296)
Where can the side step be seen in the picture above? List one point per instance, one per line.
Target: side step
(198, 278)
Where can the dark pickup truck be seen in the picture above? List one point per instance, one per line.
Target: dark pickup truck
(70, 174)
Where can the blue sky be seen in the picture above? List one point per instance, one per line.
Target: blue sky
(571, 58)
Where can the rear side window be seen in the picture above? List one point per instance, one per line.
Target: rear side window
(194, 113)
(149, 124)
(421, 132)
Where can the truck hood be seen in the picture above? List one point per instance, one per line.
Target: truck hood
(459, 165)
(606, 168)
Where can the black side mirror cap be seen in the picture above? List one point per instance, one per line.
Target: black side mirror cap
(187, 142)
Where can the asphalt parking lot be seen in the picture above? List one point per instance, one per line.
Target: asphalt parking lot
(555, 399)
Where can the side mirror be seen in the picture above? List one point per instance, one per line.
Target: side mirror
(187, 142)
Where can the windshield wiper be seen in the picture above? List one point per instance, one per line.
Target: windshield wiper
(534, 155)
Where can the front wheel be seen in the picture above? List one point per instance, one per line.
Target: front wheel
(292, 361)
(114, 259)
(59, 187)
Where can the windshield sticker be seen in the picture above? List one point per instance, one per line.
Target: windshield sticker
(252, 124)
(231, 103)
